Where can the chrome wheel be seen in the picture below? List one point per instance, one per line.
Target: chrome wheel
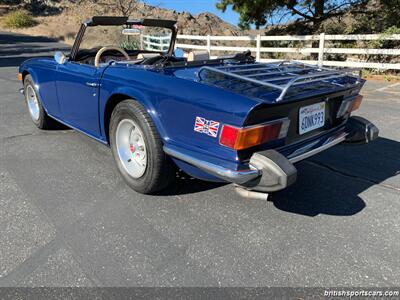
(33, 103)
(131, 148)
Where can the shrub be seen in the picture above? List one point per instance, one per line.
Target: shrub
(130, 45)
(18, 19)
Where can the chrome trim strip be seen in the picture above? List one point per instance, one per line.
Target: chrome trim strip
(93, 84)
(293, 158)
(78, 130)
(235, 176)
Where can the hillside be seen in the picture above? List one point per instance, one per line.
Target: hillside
(64, 24)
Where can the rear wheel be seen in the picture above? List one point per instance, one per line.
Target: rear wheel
(137, 149)
(38, 114)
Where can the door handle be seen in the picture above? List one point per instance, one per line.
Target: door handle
(93, 84)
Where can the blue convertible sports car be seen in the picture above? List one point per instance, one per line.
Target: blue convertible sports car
(227, 119)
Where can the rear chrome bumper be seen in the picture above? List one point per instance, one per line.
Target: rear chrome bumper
(235, 176)
(316, 146)
(271, 170)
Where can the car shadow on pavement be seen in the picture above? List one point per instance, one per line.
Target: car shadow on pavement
(331, 183)
(185, 184)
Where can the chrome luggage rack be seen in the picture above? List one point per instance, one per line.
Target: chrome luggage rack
(287, 72)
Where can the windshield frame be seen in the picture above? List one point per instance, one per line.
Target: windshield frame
(117, 21)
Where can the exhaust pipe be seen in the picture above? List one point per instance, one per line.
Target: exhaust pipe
(251, 194)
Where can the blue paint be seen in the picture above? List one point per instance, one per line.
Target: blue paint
(79, 102)
(173, 97)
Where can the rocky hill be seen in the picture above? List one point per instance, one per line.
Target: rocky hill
(65, 17)
(201, 24)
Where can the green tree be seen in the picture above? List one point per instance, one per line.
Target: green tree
(259, 12)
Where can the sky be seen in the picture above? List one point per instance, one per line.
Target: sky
(197, 6)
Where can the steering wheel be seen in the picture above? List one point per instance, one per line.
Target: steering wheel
(107, 48)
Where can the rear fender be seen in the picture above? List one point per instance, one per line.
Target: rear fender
(139, 96)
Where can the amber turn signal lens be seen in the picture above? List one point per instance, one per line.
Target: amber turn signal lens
(243, 138)
(19, 76)
(356, 103)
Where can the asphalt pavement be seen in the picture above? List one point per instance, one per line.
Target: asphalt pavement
(68, 219)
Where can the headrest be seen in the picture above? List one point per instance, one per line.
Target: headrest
(198, 55)
(147, 55)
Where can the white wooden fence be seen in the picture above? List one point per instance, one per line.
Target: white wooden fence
(255, 45)
(155, 42)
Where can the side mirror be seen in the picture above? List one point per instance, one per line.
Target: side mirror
(179, 53)
(60, 57)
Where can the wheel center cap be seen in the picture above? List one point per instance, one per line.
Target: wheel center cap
(132, 147)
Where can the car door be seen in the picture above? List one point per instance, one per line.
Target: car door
(78, 95)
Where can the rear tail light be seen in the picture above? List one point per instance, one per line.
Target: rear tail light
(242, 138)
(349, 105)
(356, 103)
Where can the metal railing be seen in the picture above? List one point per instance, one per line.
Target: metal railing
(281, 75)
(257, 48)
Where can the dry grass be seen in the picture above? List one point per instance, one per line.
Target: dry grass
(18, 19)
(62, 27)
(51, 27)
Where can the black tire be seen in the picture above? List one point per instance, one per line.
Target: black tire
(43, 121)
(160, 171)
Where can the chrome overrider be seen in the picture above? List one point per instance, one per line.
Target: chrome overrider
(273, 170)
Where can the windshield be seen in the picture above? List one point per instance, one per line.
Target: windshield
(128, 37)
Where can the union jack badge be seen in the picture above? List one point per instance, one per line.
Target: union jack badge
(208, 127)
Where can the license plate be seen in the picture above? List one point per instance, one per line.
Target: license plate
(311, 117)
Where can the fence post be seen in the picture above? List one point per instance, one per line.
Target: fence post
(321, 49)
(208, 44)
(258, 53)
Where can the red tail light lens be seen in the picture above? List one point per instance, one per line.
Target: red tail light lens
(356, 103)
(242, 138)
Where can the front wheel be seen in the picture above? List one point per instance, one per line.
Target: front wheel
(137, 149)
(35, 107)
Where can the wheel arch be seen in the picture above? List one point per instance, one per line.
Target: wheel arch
(114, 99)
(29, 71)
(24, 74)
(111, 103)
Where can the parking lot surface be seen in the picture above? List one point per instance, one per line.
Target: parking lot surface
(68, 219)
